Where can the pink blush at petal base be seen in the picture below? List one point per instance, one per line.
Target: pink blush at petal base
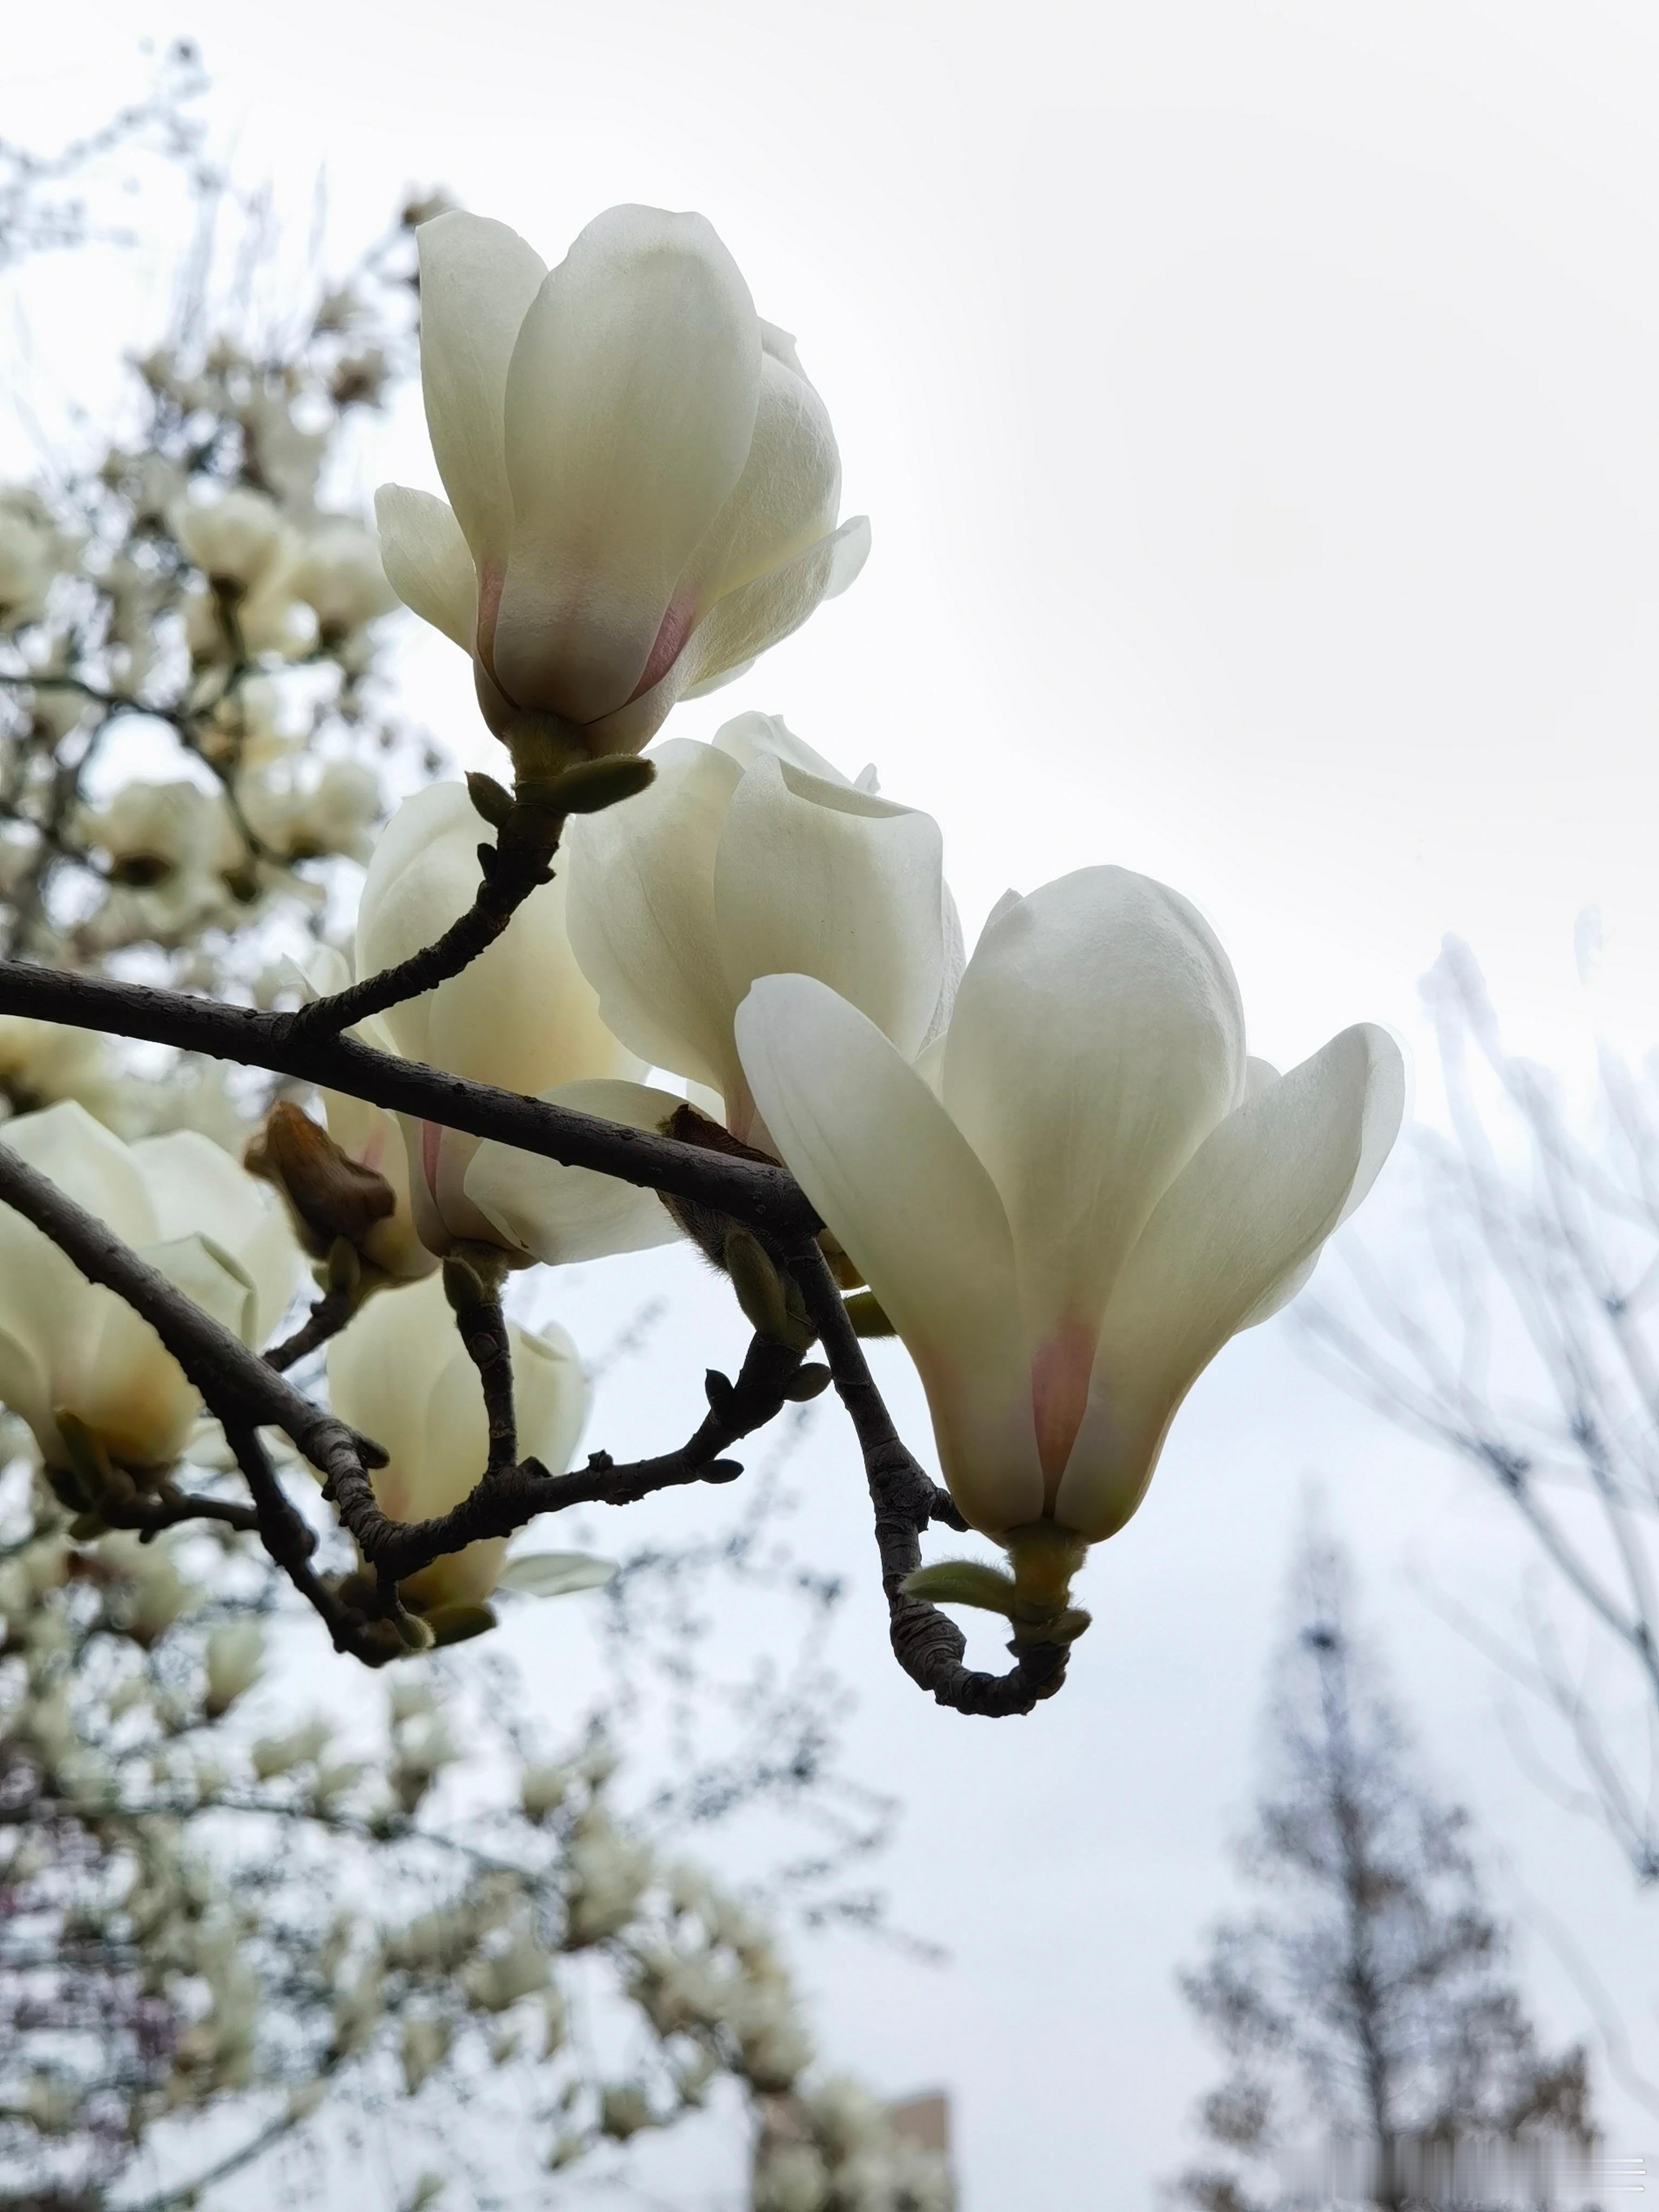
(1060, 1367)
(671, 638)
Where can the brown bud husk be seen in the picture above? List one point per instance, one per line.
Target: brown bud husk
(330, 1195)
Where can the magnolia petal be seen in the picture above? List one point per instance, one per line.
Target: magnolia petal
(89, 1163)
(897, 1183)
(786, 496)
(556, 1574)
(43, 1294)
(121, 1381)
(1250, 1209)
(553, 1395)
(26, 1390)
(118, 1376)
(817, 878)
(564, 1214)
(523, 1015)
(742, 625)
(196, 1189)
(751, 737)
(717, 681)
(423, 875)
(427, 560)
(642, 912)
(1096, 1040)
(382, 1368)
(478, 281)
(630, 408)
(212, 1277)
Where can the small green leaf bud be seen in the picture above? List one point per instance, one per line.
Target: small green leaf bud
(490, 798)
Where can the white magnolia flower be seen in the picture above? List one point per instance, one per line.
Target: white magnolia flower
(400, 1373)
(1104, 1193)
(41, 1062)
(337, 573)
(31, 551)
(300, 808)
(237, 541)
(67, 1346)
(235, 1654)
(522, 1016)
(642, 484)
(752, 856)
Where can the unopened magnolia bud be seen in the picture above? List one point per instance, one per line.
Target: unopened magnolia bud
(331, 1196)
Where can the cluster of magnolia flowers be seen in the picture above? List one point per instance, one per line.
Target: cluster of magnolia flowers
(112, 1708)
(1053, 1170)
(196, 593)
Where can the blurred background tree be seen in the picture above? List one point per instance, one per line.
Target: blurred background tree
(1518, 1331)
(1369, 2003)
(239, 1936)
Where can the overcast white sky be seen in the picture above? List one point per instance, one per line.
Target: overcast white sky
(1256, 406)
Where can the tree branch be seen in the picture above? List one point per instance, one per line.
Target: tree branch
(927, 1643)
(767, 1199)
(502, 1501)
(327, 1317)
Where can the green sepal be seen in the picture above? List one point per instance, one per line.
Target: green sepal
(807, 1383)
(864, 1311)
(472, 1276)
(964, 1581)
(493, 801)
(760, 1292)
(88, 1457)
(455, 1624)
(588, 788)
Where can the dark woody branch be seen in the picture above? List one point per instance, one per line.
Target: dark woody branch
(765, 1198)
(927, 1643)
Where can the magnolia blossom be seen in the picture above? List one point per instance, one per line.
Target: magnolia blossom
(31, 551)
(642, 484)
(339, 575)
(68, 1347)
(236, 541)
(401, 1374)
(1103, 1191)
(522, 1016)
(745, 858)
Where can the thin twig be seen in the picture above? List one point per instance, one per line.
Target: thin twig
(327, 1317)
